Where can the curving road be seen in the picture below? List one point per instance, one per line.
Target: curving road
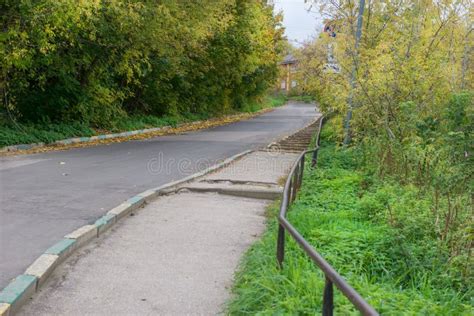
(45, 196)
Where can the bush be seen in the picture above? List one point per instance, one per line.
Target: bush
(378, 234)
(96, 62)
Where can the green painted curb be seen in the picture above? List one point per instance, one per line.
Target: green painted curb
(60, 247)
(104, 220)
(16, 288)
(134, 200)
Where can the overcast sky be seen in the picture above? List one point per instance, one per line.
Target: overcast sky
(299, 23)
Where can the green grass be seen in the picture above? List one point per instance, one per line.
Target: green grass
(268, 101)
(340, 210)
(302, 98)
(13, 133)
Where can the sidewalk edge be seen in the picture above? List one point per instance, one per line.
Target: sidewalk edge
(17, 290)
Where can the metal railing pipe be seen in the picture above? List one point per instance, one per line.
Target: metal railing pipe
(354, 297)
(292, 185)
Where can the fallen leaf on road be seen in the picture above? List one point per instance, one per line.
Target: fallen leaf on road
(186, 127)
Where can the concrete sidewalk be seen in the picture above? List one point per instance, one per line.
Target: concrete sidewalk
(177, 256)
(46, 196)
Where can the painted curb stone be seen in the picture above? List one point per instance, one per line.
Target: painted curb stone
(42, 268)
(121, 211)
(62, 249)
(17, 291)
(83, 235)
(148, 195)
(104, 223)
(4, 309)
(135, 202)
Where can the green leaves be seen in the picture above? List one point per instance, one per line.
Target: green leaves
(378, 234)
(96, 61)
(413, 123)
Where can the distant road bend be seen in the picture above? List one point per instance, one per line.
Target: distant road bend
(45, 196)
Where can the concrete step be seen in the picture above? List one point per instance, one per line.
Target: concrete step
(249, 191)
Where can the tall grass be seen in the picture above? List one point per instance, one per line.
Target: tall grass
(399, 272)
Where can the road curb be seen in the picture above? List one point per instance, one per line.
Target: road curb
(76, 140)
(4, 309)
(42, 268)
(25, 285)
(83, 234)
(246, 192)
(17, 292)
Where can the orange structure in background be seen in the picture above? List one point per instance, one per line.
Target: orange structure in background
(288, 68)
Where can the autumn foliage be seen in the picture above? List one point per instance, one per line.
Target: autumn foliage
(96, 61)
(413, 110)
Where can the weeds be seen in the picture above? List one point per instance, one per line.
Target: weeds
(376, 234)
(12, 133)
(302, 98)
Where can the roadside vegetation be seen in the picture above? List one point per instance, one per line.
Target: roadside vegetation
(380, 234)
(69, 68)
(16, 132)
(392, 208)
(302, 98)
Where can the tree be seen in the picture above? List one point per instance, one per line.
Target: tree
(413, 101)
(97, 61)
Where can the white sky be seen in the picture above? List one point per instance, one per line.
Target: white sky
(299, 23)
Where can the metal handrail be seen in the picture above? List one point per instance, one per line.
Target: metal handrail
(292, 185)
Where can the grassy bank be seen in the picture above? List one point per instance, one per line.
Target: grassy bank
(375, 233)
(13, 133)
(302, 98)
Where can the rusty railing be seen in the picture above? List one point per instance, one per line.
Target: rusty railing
(292, 185)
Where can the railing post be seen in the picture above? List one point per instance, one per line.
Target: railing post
(314, 161)
(328, 298)
(290, 193)
(319, 132)
(280, 246)
(301, 172)
(295, 183)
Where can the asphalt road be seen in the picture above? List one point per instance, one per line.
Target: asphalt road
(45, 196)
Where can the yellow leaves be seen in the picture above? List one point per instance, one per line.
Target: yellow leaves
(412, 51)
(150, 56)
(186, 127)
